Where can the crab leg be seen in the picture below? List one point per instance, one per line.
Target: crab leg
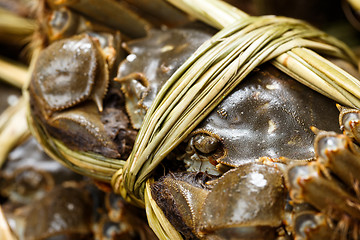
(309, 185)
(340, 155)
(311, 225)
(350, 122)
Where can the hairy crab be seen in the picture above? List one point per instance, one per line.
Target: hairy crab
(251, 152)
(255, 131)
(65, 205)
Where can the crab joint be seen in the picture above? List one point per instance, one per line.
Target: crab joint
(309, 185)
(311, 225)
(350, 122)
(338, 153)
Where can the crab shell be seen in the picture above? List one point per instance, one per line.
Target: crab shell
(43, 199)
(268, 114)
(69, 72)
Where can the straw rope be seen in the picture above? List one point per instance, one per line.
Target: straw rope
(202, 82)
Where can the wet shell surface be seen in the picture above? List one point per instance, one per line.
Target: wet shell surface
(66, 72)
(268, 114)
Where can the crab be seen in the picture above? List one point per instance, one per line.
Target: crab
(81, 64)
(233, 137)
(251, 150)
(335, 169)
(64, 204)
(300, 200)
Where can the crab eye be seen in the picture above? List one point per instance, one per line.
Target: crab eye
(205, 143)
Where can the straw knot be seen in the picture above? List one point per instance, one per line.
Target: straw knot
(199, 85)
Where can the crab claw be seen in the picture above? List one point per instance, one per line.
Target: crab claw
(252, 203)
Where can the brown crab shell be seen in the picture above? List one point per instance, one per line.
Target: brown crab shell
(66, 73)
(268, 114)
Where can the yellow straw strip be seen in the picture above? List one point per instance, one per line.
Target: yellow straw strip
(13, 128)
(156, 218)
(13, 73)
(5, 232)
